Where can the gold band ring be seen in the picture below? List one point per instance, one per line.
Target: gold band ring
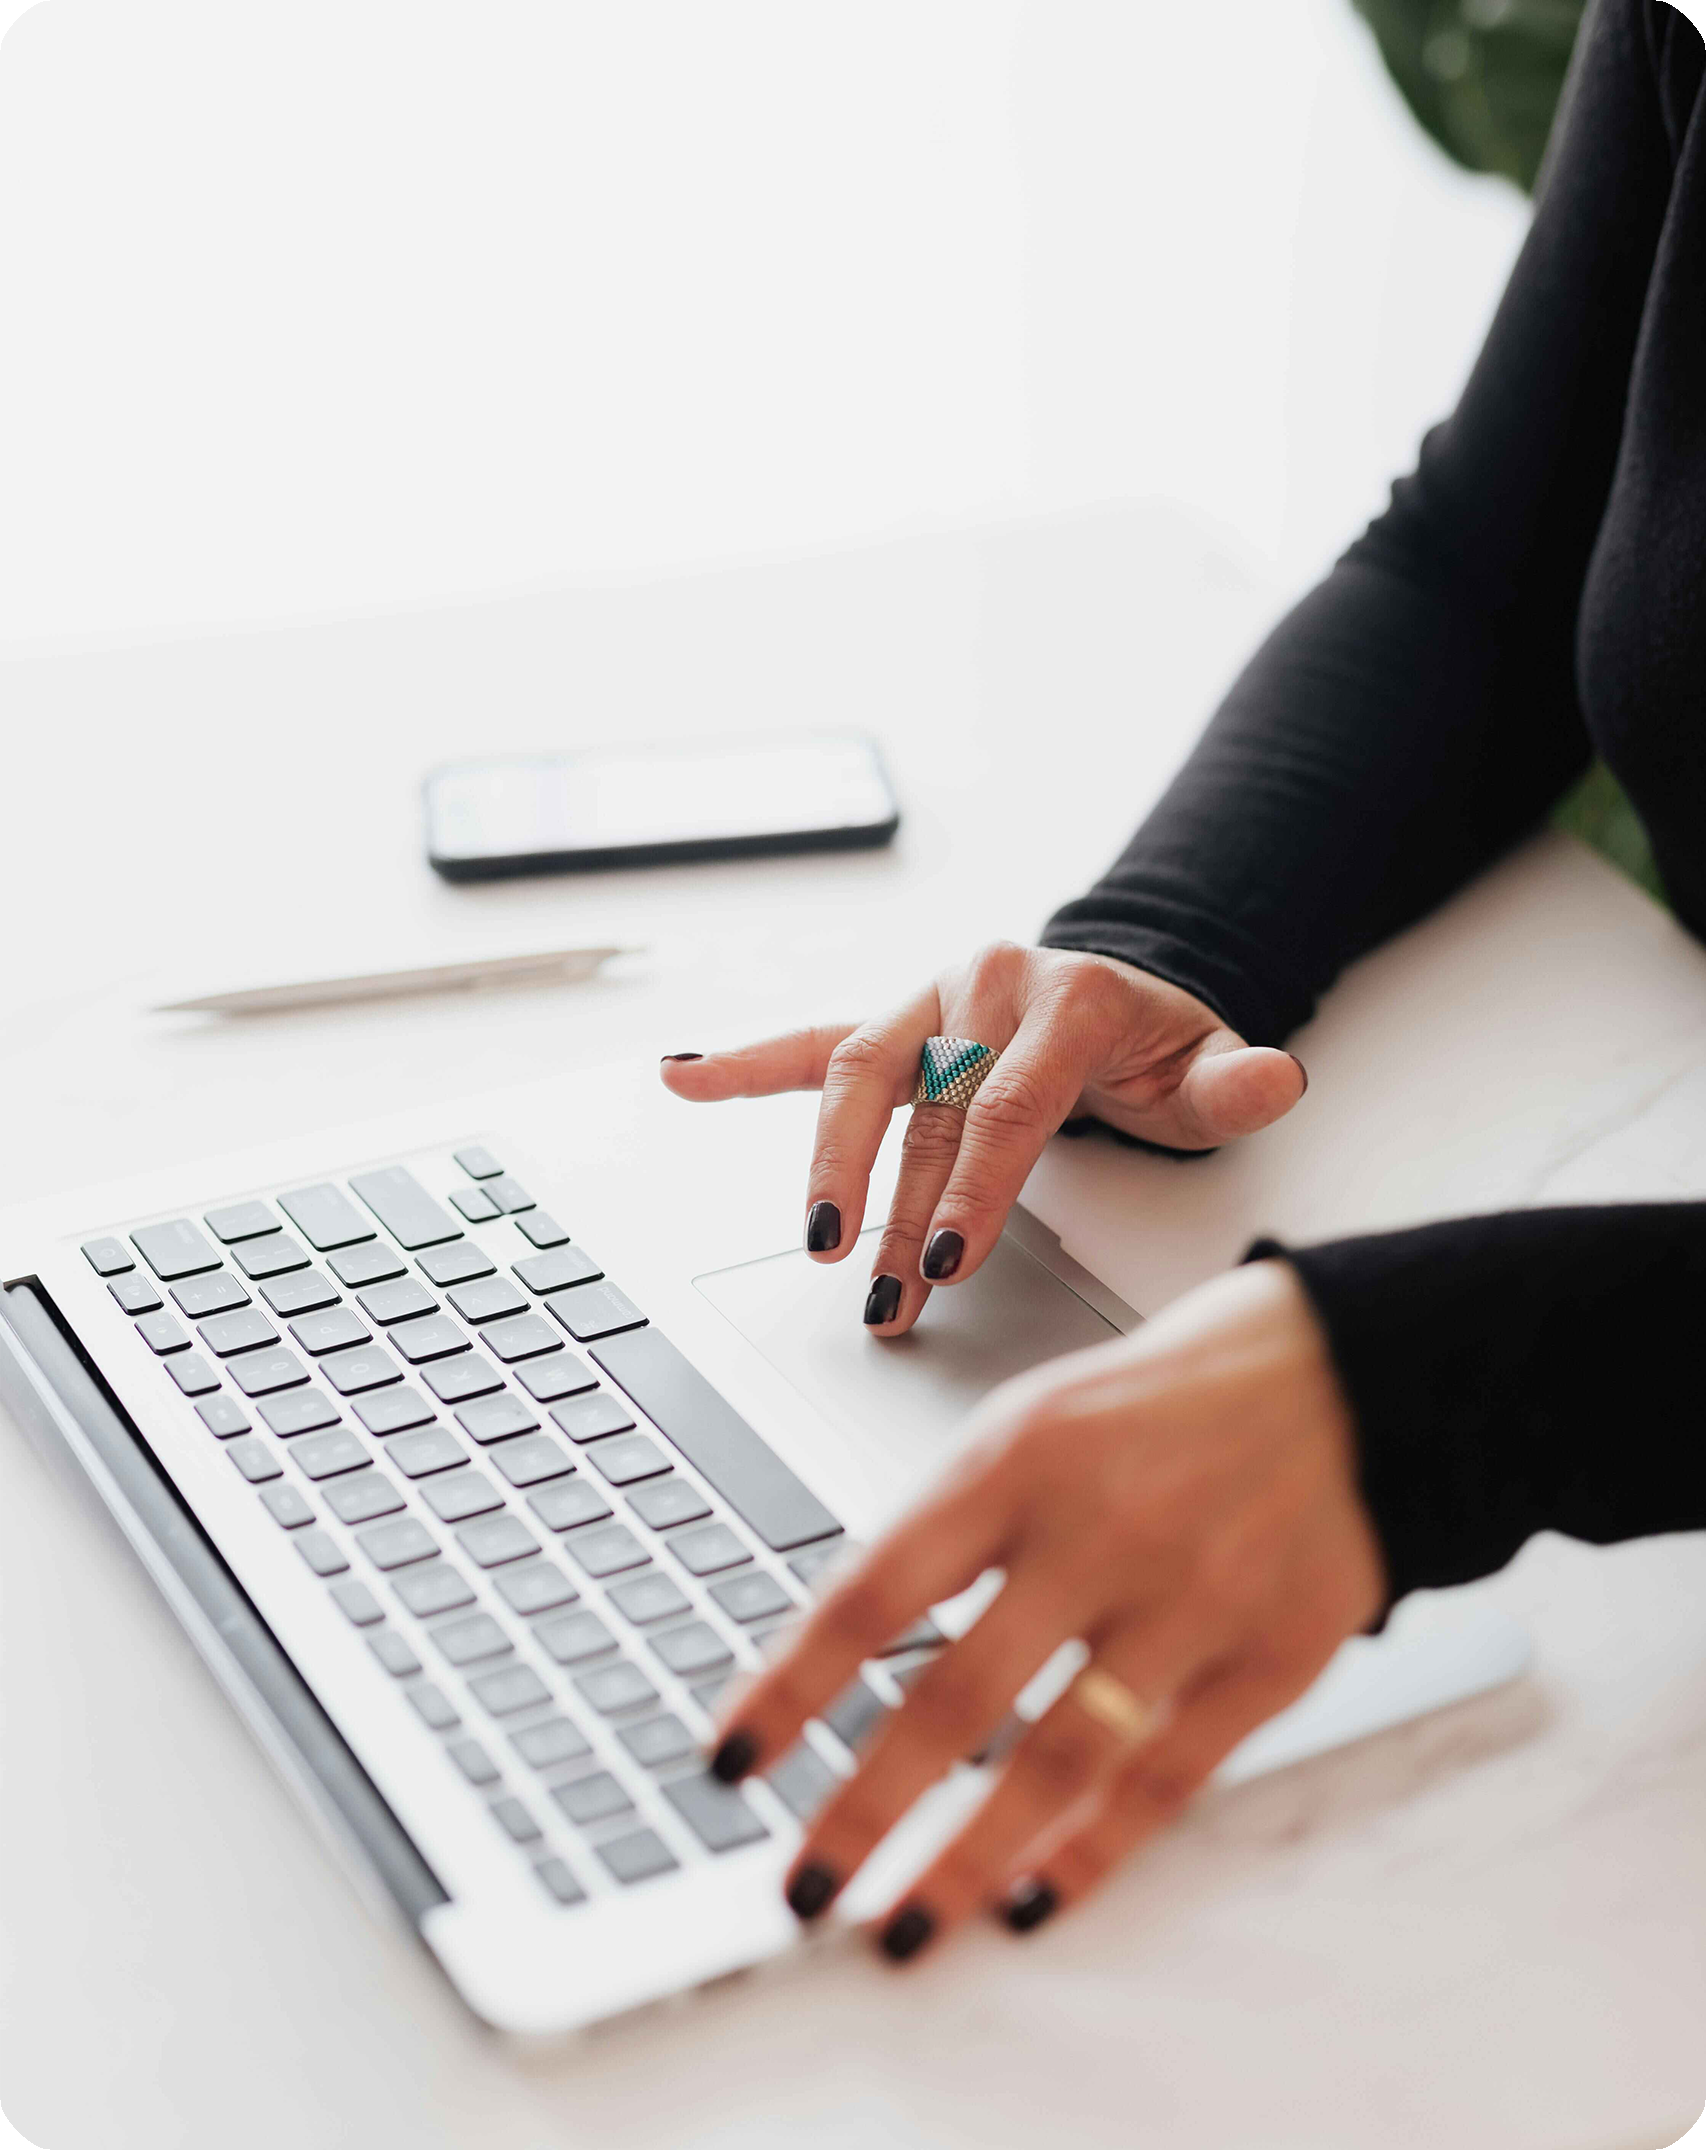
(1114, 1706)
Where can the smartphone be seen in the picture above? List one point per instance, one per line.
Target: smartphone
(646, 806)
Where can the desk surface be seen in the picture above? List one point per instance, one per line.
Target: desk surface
(1483, 1928)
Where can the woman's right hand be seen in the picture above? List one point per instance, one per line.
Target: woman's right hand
(1077, 1034)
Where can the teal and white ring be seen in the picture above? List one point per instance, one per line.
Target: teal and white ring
(952, 1071)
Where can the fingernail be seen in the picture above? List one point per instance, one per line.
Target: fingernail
(1302, 1070)
(684, 1056)
(810, 1891)
(823, 1228)
(1030, 1903)
(883, 1301)
(906, 1933)
(942, 1256)
(734, 1757)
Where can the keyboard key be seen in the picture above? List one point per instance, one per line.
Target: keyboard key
(669, 1501)
(705, 1551)
(433, 1706)
(459, 1494)
(517, 1687)
(240, 1220)
(398, 1301)
(523, 1336)
(638, 1857)
(433, 1589)
(657, 1741)
(223, 1416)
(245, 1330)
(357, 1603)
(394, 1654)
(297, 1411)
(592, 1799)
(531, 1460)
(562, 1374)
(923, 1634)
(321, 1553)
(304, 1292)
(606, 1552)
(162, 1334)
(466, 1642)
(508, 1194)
(325, 1216)
(572, 1638)
(590, 1418)
(254, 1459)
(429, 1336)
(192, 1373)
(818, 1565)
(536, 1588)
(717, 1813)
(692, 1651)
(215, 1294)
(495, 1418)
(374, 1264)
(328, 1455)
(455, 1265)
(554, 1272)
(258, 1373)
(561, 1883)
(335, 1330)
(135, 1294)
(404, 1207)
(362, 1497)
(855, 1713)
(715, 1439)
(592, 1310)
(286, 1506)
(552, 1741)
(171, 1250)
(269, 1257)
(473, 1761)
(478, 1162)
(802, 1780)
(416, 1455)
(455, 1380)
(499, 1538)
(562, 1507)
(627, 1458)
(647, 1598)
(396, 1545)
(543, 1230)
(616, 1687)
(514, 1819)
(107, 1257)
(368, 1367)
(476, 1205)
(709, 1693)
(752, 1597)
(487, 1299)
(391, 1410)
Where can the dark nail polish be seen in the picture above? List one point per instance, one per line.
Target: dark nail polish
(1030, 1903)
(823, 1228)
(882, 1302)
(810, 1891)
(906, 1933)
(1303, 1071)
(684, 1056)
(734, 1758)
(942, 1256)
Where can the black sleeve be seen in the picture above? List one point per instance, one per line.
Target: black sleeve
(1417, 713)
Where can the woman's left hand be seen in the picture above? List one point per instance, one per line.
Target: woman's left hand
(1185, 1502)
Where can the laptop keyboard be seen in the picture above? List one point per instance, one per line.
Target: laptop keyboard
(534, 1511)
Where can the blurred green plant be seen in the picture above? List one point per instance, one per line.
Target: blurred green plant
(1483, 77)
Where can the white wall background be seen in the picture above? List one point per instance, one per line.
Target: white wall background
(339, 304)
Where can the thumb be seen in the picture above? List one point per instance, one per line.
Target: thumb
(1232, 1089)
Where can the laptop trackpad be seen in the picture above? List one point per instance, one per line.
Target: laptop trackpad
(906, 1398)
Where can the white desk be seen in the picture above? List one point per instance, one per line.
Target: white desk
(1483, 1929)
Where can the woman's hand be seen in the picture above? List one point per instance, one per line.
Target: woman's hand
(1184, 1502)
(1076, 1034)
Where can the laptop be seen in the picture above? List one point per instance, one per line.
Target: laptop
(479, 1449)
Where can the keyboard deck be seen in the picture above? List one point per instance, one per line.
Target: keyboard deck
(534, 1511)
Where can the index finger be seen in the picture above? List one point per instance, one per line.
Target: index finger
(797, 1060)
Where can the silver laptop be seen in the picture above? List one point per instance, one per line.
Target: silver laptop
(479, 1451)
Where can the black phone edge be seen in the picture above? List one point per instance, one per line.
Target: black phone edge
(869, 836)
